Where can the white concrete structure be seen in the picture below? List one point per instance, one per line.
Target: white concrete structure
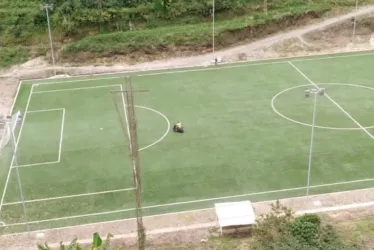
(235, 214)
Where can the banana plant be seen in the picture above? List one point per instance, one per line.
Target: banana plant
(97, 244)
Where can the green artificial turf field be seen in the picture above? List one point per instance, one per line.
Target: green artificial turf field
(247, 138)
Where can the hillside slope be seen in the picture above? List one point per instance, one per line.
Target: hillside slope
(263, 48)
(140, 31)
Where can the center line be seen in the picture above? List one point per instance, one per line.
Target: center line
(332, 100)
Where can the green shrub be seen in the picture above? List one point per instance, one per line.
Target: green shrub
(196, 35)
(279, 230)
(305, 232)
(315, 219)
(10, 56)
(97, 244)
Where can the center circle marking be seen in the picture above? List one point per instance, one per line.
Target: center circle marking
(166, 132)
(310, 125)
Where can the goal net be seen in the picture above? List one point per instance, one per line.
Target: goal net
(9, 126)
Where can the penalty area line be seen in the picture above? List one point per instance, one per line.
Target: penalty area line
(70, 196)
(44, 110)
(36, 164)
(74, 89)
(60, 141)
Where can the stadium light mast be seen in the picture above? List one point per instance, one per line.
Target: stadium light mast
(354, 23)
(213, 30)
(49, 7)
(315, 91)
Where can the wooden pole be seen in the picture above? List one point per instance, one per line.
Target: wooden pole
(129, 127)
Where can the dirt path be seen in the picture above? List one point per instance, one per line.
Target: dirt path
(297, 33)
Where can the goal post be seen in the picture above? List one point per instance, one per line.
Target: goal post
(9, 124)
(9, 143)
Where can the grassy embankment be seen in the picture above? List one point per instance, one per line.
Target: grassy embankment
(193, 37)
(188, 35)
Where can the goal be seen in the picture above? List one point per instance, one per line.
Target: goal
(9, 125)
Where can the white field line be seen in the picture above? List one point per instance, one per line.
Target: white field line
(73, 89)
(245, 65)
(125, 112)
(36, 164)
(124, 107)
(110, 221)
(231, 65)
(69, 196)
(61, 135)
(18, 138)
(205, 225)
(191, 202)
(15, 97)
(60, 143)
(44, 110)
(79, 80)
(213, 224)
(129, 135)
(308, 59)
(182, 212)
(332, 100)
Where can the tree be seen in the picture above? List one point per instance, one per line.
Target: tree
(271, 226)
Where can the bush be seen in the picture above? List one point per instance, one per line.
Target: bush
(280, 230)
(10, 56)
(304, 231)
(311, 218)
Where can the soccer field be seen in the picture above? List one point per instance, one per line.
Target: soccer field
(248, 132)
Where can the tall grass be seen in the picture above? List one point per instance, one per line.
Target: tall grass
(15, 55)
(196, 35)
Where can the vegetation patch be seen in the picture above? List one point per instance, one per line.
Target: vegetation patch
(90, 29)
(13, 55)
(193, 37)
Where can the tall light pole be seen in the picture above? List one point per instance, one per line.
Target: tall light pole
(49, 7)
(354, 24)
(315, 92)
(213, 30)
